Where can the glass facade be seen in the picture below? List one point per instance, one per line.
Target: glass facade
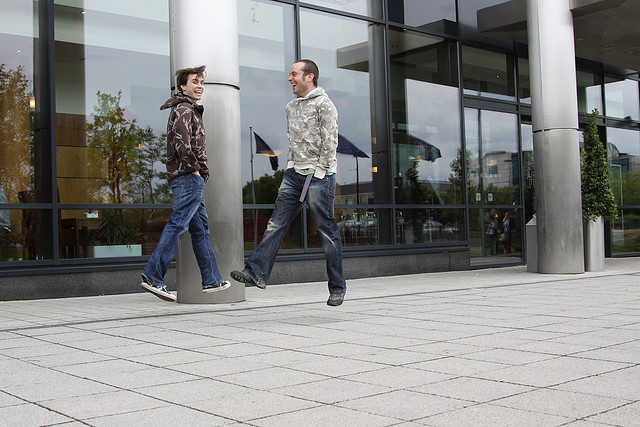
(440, 116)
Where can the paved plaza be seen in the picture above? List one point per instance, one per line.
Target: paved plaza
(495, 347)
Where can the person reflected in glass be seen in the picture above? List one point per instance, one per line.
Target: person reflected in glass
(187, 172)
(312, 128)
(493, 232)
(508, 228)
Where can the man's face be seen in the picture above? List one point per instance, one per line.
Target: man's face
(194, 86)
(302, 85)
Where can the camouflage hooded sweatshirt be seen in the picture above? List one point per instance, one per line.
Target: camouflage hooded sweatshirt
(186, 145)
(312, 128)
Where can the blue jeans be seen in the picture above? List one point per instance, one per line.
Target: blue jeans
(320, 198)
(188, 213)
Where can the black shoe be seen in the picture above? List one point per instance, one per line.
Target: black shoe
(242, 277)
(158, 290)
(335, 299)
(216, 287)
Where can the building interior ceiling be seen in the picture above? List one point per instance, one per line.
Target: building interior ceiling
(608, 32)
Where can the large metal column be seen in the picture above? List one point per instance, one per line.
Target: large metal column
(205, 32)
(555, 136)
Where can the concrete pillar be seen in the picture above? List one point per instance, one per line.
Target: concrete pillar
(555, 136)
(204, 32)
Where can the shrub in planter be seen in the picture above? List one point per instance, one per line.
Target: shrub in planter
(598, 201)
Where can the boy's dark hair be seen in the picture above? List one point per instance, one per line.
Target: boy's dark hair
(310, 67)
(183, 74)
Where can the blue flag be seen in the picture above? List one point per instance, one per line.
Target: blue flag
(263, 148)
(347, 147)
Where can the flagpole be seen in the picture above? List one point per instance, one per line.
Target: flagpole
(253, 191)
(357, 183)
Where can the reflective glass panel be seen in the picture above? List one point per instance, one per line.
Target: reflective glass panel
(358, 227)
(107, 233)
(255, 222)
(112, 75)
(12, 237)
(623, 150)
(495, 232)
(589, 91)
(621, 98)
(625, 232)
(415, 226)
(25, 234)
(20, 156)
(489, 74)
(266, 43)
(526, 135)
(468, 13)
(346, 57)
(524, 83)
(433, 15)
(492, 157)
(426, 119)
(371, 8)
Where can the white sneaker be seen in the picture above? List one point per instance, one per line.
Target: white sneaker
(216, 287)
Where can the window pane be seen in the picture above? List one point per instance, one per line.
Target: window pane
(623, 149)
(434, 15)
(345, 57)
(109, 134)
(105, 233)
(621, 98)
(526, 131)
(20, 156)
(255, 222)
(625, 232)
(360, 227)
(489, 74)
(266, 41)
(589, 91)
(426, 134)
(492, 157)
(468, 11)
(415, 226)
(524, 88)
(371, 8)
(489, 235)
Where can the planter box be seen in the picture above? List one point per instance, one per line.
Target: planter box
(114, 251)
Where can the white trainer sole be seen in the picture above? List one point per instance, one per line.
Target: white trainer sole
(158, 292)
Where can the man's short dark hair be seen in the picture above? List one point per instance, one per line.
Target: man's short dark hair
(183, 74)
(310, 67)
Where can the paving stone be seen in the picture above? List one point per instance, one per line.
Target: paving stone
(491, 416)
(30, 414)
(404, 405)
(163, 416)
(561, 403)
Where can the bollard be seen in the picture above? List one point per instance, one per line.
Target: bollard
(532, 245)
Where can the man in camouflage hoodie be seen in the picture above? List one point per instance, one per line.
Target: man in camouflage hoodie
(311, 175)
(187, 172)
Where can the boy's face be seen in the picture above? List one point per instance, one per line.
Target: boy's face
(194, 87)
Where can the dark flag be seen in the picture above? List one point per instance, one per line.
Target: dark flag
(347, 147)
(263, 148)
(429, 151)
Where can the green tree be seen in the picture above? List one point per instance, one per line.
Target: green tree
(114, 140)
(152, 177)
(265, 188)
(597, 197)
(16, 132)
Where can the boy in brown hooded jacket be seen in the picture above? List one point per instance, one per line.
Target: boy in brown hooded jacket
(187, 173)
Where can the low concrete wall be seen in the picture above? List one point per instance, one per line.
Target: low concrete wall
(127, 279)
